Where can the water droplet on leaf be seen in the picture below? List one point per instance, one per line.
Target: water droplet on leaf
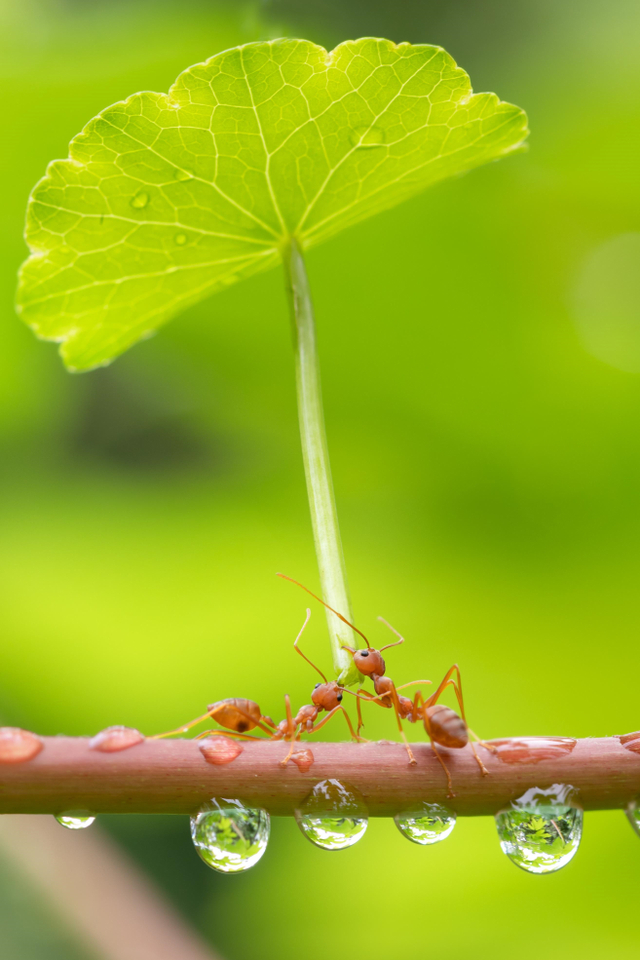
(114, 739)
(75, 819)
(333, 816)
(367, 137)
(140, 200)
(182, 175)
(17, 746)
(181, 239)
(426, 823)
(541, 833)
(229, 836)
(633, 813)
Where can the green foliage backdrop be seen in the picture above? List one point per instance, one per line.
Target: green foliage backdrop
(486, 466)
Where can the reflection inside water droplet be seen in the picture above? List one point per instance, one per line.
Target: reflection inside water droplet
(633, 813)
(426, 823)
(181, 239)
(75, 819)
(182, 175)
(140, 200)
(541, 833)
(229, 836)
(367, 137)
(333, 816)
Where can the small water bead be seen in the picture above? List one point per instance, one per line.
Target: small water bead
(229, 836)
(181, 239)
(114, 739)
(220, 750)
(367, 137)
(140, 200)
(18, 746)
(633, 813)
(182, 175)
(75, 819)
(426, 823)
(541, 832)
(333, 816)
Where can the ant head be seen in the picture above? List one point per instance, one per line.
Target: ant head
(327, 696)
(368, 661)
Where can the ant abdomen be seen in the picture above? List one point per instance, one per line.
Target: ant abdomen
(237, 714)
(445, 726)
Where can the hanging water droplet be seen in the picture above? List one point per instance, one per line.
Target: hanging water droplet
(633, 813)
(333, 816)
(426, 823)
(367, 137)
(182, 175)
(75, 819)
(229, 836)
(140, 200)
(181, 239)
(541, 832)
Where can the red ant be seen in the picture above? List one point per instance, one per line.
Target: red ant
(325, 696)
(442, 724)
(239, 715)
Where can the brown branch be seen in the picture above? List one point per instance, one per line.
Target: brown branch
(173, 776)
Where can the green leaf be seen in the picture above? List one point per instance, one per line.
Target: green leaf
(167, 198)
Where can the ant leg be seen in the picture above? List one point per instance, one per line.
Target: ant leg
(227, 733)
(331, 713)
(396, 707)
(450, 792)
(209, 715)
(291, 729)
(457, 687)
(411, 684)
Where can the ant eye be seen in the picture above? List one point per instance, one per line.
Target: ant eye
(339, 697)
(364, 653)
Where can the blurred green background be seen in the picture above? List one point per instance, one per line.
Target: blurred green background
(487, 470)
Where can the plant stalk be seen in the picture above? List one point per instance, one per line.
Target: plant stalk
(173, 776)
(315, 454)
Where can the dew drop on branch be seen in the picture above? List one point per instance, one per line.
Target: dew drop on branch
(426, 823)
(229, 836)
(541, 832)
(114, 739)
(220, 750)
(333, 816)
(633, 813)
(75, 819)
(18, 746)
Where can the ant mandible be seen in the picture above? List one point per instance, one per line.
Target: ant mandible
(324, 696)
(442, 724)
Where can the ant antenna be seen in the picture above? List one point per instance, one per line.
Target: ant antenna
(393, 630)
(339, 615)
(298, 650)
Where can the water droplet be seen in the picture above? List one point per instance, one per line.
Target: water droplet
(333, 816)
(532, 749)
(140, 200)
(220, 750)
(115, 738)
(17, 746)
(426, 823)
(229, 836)
(633, 812)
(181, 239)
(182, 175)
(303, 759)
(541, 833)
(75, 819)
(367, 137)
(631, 741)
